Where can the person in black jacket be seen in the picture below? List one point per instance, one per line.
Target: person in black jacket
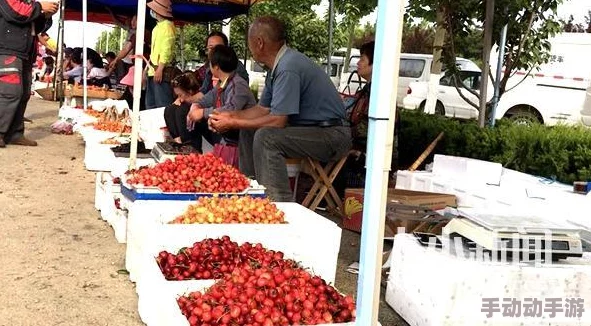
(20, 22)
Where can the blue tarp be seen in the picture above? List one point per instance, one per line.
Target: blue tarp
(182, 11)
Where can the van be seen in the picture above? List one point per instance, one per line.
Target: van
(413, 68)
(336, 68)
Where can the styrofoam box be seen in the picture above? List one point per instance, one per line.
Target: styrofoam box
(98, 157)
(168, 312)
(460, 167)
(429, 287)
(121, 165)
(105, 190)
(414, 180)
(308, 238)
(91, 135)
(119, 224)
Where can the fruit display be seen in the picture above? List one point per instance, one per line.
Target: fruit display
(93, 113)
(112, 126)
(268, 296)
(214, 258)
(235, 209)
(193, 173)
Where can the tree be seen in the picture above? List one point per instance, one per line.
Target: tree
(306, 31)
(353, 11)
(569, 26)
(113, 39)
(530, 25)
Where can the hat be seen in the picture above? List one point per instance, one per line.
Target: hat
(161, 7)
(128, 79)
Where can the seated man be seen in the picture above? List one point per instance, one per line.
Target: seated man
(300, 114)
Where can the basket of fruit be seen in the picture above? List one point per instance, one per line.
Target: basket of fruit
(188, 177)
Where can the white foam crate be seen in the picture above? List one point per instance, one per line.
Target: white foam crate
(104, 188)
(414, 180)
(119, 224)
(168, 313)
(309, 238)
(475, 170)
(454, 296)
(98, 157)
(91, 135)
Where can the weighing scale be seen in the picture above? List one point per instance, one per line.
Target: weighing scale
(163, 151)
(527, 236)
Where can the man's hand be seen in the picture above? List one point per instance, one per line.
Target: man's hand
(158, 74)
(221, 121)
(49, 8)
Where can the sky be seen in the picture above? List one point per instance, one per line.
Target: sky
(73, 30)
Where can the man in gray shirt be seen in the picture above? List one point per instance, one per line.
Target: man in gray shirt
(300, 113)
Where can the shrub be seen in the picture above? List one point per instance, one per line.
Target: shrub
(560, 152)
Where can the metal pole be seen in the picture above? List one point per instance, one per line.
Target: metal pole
(182, 39)
(84, 53)
(382, 113)
(495, 101)
(59, 65)
(137, 80)
(488, 29)
(330, 32)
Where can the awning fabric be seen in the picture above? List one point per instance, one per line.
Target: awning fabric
(193, 11)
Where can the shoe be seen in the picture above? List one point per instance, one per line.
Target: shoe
(23, 141)
(2, 143)
(27, 120)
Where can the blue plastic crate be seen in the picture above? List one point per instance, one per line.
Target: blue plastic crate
(133, 195)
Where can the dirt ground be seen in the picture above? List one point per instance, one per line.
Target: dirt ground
(60, 263)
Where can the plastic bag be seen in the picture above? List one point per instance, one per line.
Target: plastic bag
(62, 127)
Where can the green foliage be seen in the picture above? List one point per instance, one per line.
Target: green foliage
(194, 36)
(306, 32)
(114, 39)
(561, 152)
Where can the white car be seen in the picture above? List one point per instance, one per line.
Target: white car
(536, 100)
(586, 112)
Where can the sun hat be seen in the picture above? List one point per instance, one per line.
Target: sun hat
(161, 7)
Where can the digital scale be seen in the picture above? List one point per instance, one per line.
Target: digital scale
(526, 236)
(163, 151)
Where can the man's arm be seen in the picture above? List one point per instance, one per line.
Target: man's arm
(269, 120)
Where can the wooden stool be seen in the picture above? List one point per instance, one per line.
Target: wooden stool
(322, 188)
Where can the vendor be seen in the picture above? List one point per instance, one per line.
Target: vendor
(158, 90)
(300, 113)
(230, 94)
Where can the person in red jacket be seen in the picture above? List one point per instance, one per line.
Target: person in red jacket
(21, 21)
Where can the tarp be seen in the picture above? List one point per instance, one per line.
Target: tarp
(194, 11)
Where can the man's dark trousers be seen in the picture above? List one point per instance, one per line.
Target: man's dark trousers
(15, 91)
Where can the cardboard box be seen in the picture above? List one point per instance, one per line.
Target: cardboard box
(398, 201)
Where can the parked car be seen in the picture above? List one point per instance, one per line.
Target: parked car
(537, 100)
(413, 68)
(586, 112)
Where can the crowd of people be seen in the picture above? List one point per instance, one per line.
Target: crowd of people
(300, 113)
